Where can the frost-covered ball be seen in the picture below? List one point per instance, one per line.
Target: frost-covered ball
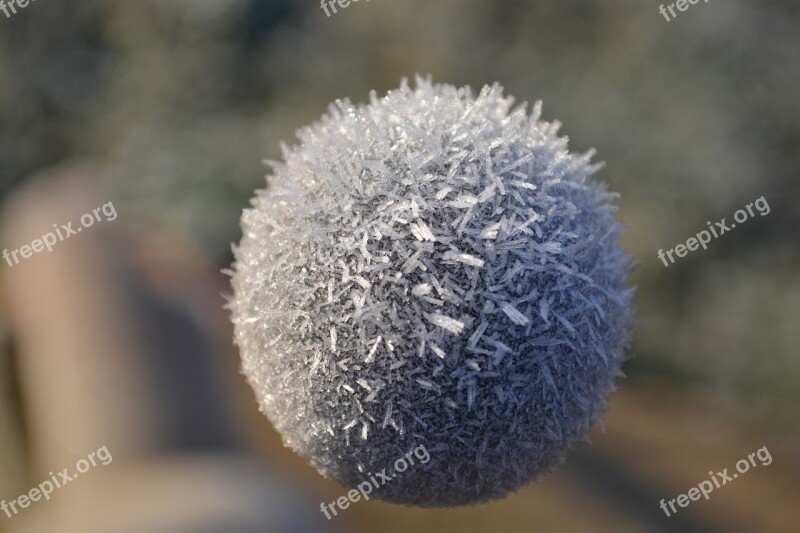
(434, 269)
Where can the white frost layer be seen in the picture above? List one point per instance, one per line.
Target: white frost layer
(434, 267)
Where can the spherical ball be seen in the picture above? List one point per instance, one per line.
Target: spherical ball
(434, 269)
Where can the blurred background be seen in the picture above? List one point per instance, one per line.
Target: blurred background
(168, 107)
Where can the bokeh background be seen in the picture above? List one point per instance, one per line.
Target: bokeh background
(168, 107)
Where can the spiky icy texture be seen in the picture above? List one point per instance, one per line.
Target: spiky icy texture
(436, 269)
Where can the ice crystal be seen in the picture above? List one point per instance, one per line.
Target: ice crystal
(432, 268)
